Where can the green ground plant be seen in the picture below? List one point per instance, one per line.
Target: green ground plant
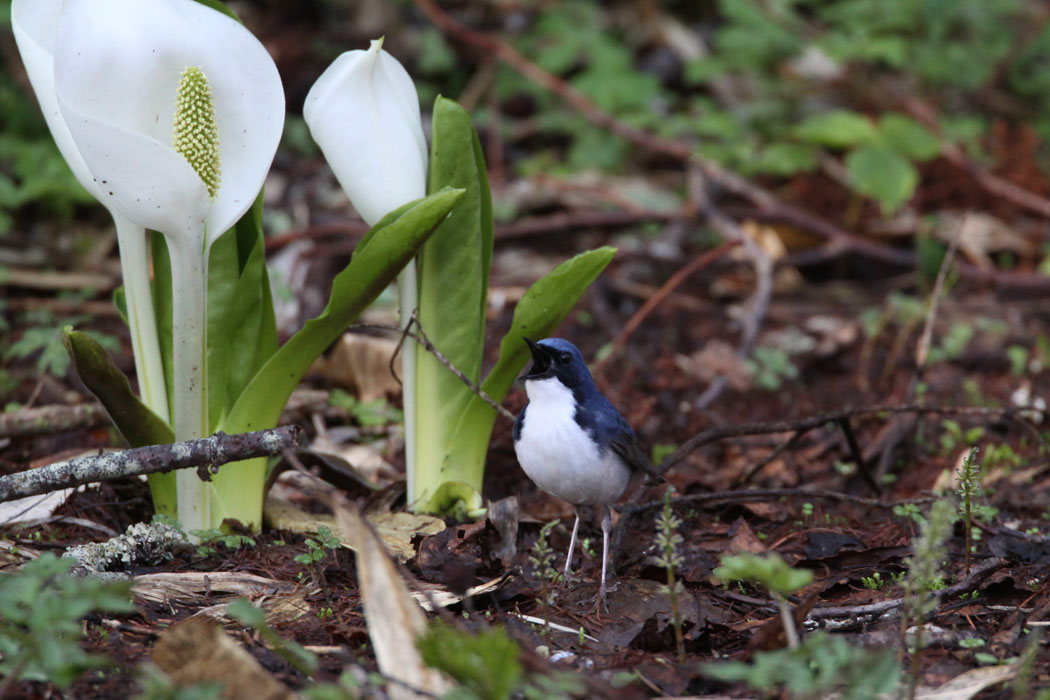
(813, 668)
(41, 609)
(669, 558)
(925, 576)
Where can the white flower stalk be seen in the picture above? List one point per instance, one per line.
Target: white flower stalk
(158, 95)
(35, 26)
(364, 114)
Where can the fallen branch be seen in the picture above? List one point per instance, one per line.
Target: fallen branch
(757, 495)
(206, 454)
(970, 583)
(52, 419)
(805, 424)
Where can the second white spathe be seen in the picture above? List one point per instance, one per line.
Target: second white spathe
(364, 114)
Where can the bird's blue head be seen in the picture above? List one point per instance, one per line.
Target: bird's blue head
(555, 357)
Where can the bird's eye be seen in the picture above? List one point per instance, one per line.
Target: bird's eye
(564, 358)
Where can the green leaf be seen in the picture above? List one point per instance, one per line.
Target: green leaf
(162, 310)
(541, 310)
(139, 425)
(453, 270)
(838, 128)
(387, 248)
(136, 422)
(769, 571)
(394, 241)
(883, 175)
(786, 159)
(242, 332)
(909, 138)
(484, 662)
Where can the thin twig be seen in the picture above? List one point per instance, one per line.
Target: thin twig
(720, 433)
(970, 583)
(922, 349)
(777, 451)
(757, 495)
(672, 283)
(855, 453)
(207, 452)
(420, 337)
(49, 419)
(758, 303)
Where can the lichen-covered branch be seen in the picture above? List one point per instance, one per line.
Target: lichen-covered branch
(206, 454)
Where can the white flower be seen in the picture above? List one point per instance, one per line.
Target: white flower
(364, 114)
(118, 66)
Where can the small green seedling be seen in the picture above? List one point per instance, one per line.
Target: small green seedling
(41, 609)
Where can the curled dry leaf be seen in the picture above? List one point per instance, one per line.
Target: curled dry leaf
(394, 618)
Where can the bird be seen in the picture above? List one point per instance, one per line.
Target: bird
(572, 442)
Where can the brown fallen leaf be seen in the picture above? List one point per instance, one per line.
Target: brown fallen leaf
(199, 651)
(396, 528)
(394, 619)
(967, 685)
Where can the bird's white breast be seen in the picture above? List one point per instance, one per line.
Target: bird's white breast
(559, 456)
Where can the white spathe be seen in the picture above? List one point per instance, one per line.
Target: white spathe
(117, 70)
(364, 114)
(35, 26)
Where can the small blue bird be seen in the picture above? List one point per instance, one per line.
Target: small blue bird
(571, 441)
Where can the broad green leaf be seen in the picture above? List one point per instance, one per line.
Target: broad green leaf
(136, 423)
(838, 128)
(769, 571)
(453, 270)
(387, 248)
(139, 425)
(394, 241)
(909, 138)
(786, 159)
(541, 310)
(242, 332)
(882, 174)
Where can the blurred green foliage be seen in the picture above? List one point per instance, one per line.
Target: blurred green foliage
(776, 85)
(32, 171)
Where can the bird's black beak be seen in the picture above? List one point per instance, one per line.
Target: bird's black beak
(542, 362)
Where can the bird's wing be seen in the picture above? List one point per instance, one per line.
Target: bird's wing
(622, 439)
(518, 423)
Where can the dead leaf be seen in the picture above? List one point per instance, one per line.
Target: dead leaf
(432, 597)
(981, 235)
(397, 529)
(361, 363)
(394, 619)
(199, 651)
(967, 685)
(716, 359)
(743, 539)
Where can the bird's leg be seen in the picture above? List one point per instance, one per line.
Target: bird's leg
(606, 527)
(572, 543)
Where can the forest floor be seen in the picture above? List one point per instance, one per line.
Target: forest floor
(866, 383)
